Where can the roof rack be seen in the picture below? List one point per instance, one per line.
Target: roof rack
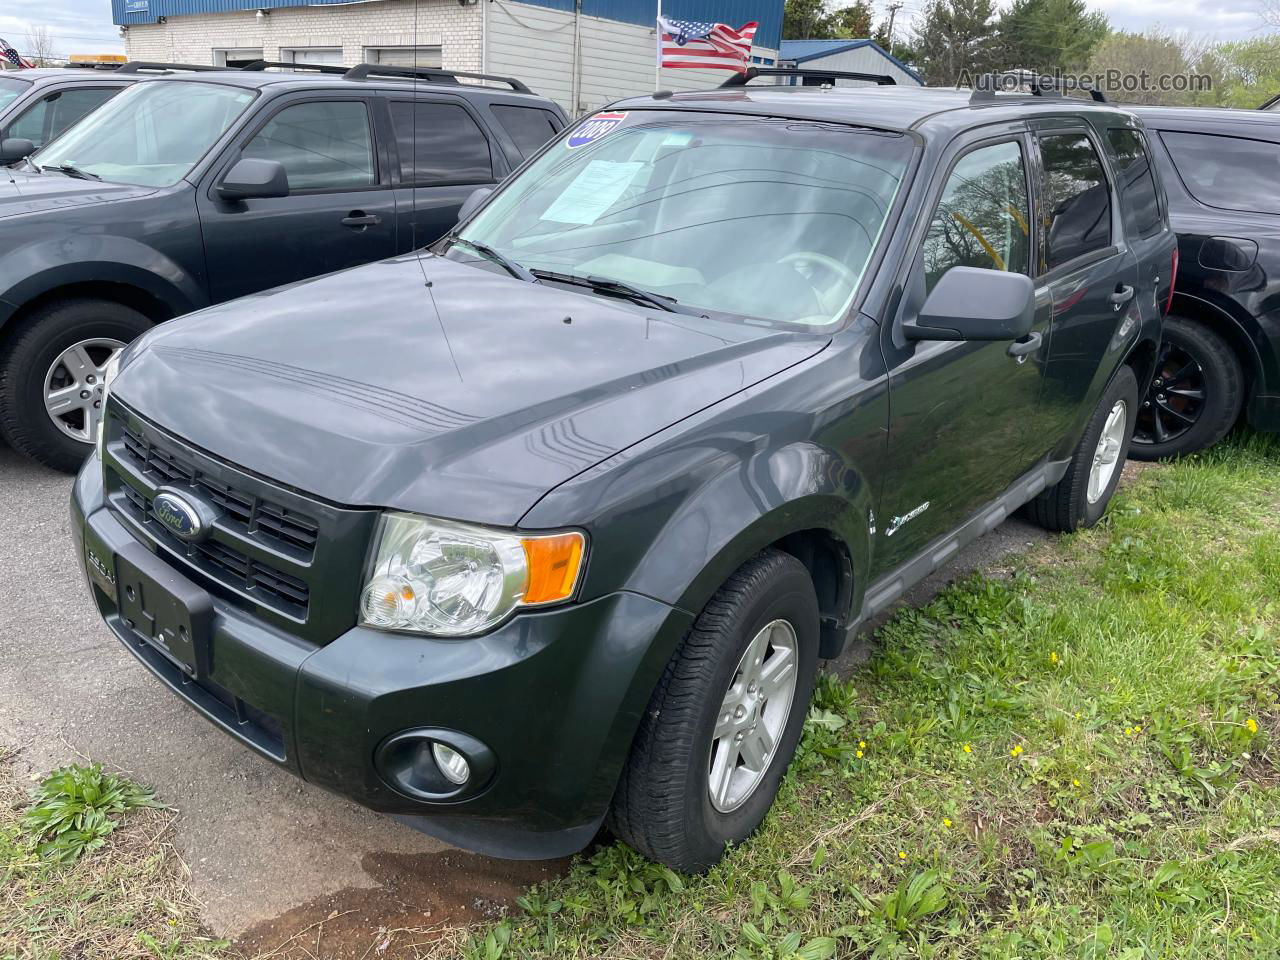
(742, 79)
(146, 66)
(1041, 86)
(366, 70)
(260, 65)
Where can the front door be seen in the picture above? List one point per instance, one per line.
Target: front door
(961, 413)
(340, 211)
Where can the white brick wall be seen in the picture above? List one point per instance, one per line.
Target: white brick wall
(353, 27)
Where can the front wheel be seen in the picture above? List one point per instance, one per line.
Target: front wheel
(1080, 498)
(724, 721)
(51, 377)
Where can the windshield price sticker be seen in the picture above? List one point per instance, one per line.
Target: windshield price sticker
(592, 192)
(595, 128)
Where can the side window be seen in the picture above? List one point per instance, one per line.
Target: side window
(1139, 199)
(58, 111)
(1228, 172)
(1076, 213)
(439, 142)
(529, 127)
(982, 219)
(323, 145)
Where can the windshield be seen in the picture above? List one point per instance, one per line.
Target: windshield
(151, 135)
(760, 217)
(9, 90)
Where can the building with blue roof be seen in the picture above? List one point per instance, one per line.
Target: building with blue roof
(856, 56)
(582, 53)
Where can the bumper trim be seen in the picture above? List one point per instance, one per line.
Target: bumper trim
(495, 838)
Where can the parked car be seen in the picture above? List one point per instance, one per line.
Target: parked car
(190, 190)
(550, 524)
(1221, 353)
(38, 105)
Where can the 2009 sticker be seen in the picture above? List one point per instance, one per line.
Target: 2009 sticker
(595, 128)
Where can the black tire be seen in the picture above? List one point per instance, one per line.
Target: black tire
(1065, 506)
(662, 806)
(1218, 379)
(25, 359)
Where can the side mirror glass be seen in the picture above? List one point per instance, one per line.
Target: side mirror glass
(13, 149)
(472, 203)
(252, 179)
(974, 303)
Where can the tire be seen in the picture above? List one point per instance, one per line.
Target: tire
(663, 806)
(25, 367)
(1218, 378)
(1067, 505)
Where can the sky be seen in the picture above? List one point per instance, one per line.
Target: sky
(84, 26)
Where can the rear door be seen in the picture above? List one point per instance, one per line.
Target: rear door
(1086, 265)
(440, 152)
(57, 110)
(524, 127)
(340, 211)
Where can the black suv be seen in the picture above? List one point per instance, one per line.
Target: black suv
(189, 190)
(552, 523)
(1221, 352)
(38, 105)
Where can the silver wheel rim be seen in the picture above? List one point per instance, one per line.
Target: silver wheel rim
(1106, 458)
(753, 716)
(73, 387)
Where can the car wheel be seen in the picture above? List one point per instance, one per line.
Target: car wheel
(1195, 396)
(51, 377)
(1080, 498)
(724, 721)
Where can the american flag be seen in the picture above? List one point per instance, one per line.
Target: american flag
(710, 46)
(14, 57)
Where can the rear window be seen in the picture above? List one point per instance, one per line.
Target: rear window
(1229, 172)
(439, 142)
(1077, 202)
(529, 127)
(1139, 199)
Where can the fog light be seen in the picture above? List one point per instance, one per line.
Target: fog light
(451, 763)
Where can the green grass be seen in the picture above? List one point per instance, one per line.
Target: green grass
(1078, 760)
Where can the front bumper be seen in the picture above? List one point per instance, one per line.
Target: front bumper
(556, 696)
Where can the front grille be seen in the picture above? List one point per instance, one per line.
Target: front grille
(276, 588)
(270, 522)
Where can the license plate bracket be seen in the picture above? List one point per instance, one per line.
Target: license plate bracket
(165, 610)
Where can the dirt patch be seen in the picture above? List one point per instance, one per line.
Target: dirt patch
(419, 899)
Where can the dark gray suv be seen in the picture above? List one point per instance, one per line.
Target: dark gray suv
(188, 190)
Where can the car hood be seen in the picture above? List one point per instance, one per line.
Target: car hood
(437, 387)
(22, 193)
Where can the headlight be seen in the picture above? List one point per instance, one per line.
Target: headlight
(453, 579)
(108, 374)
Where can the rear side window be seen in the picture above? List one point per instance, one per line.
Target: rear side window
(529, 127)
(323, 146)
(1228, 172)
(982, 218)
(439, 142)
(1076, 213)
(49, 117)
(1139, 200)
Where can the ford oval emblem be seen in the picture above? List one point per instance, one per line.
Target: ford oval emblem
(179, 516)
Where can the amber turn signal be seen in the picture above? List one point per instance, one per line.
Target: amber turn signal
(553, 564)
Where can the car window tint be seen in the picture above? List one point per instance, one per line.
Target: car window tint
(439, 141)
(529, 127)
(1076, 211)
(56, 112)
(982, 219)
(323, 146)
(1139, 201)
(1229, 172)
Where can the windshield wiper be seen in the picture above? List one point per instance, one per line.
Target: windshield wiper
(70, 171)
(501, 259)
(608, 285)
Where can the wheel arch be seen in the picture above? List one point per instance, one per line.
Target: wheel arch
(1230, 327)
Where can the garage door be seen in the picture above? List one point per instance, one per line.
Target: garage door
(324, 55)
(403, 56)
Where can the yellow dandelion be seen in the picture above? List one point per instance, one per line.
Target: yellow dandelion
(902, 855)
(1016, 751)
(1077, 714)
(858, 754)
(1075, 783)
(1128, 731)
(862, 744)
(1252, 725)
(946, 822)
(968, 748)
(1053, 656)
(1137, 729)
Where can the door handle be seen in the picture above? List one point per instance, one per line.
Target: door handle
(358, 220)
(1026, 346)
(1123, 294)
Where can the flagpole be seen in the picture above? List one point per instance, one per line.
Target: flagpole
(657, 63)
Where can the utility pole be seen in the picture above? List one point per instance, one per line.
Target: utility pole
(893, 12)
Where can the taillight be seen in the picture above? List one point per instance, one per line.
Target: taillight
(1173, 280)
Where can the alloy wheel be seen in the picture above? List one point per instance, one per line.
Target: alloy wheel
(73, 387)
(1106, 456)
(753, 716)
(1175, 399)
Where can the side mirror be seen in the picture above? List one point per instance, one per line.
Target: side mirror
(973, 303)
(472, 203)
(253, 179)
(14, 149)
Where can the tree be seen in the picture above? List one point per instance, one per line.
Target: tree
(1049, 35)
(1244, 73)
(1132, 54)
(816, 20)
(39, 46)
(952, 37)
